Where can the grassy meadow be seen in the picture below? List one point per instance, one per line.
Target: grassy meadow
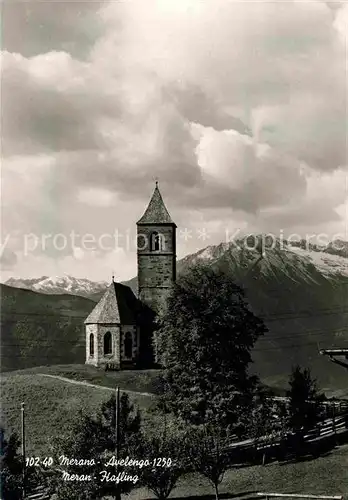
(326, 475)
(52, 404)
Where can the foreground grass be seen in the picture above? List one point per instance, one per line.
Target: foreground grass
(51, 405)
(327, 475)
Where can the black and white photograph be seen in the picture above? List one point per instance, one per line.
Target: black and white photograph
(174, 250)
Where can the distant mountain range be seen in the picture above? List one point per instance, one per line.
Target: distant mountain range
(305, 263)
(330, 261)
(300, 290)
(57, 285)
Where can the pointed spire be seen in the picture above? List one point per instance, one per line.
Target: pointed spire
(156, 212)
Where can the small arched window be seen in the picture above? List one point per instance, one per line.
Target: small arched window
(128, 345)
(107, 343)
(156, 242)
(91, 345)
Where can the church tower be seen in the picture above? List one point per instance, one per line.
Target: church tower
(156, 252)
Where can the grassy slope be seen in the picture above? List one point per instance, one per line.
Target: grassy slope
(51, 404)
(322, 476)
(132, 380)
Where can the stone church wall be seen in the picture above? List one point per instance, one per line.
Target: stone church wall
(99, 358)
(135, 342)
(156, 269)
(114, 357)
(94, 330)
(144, 238)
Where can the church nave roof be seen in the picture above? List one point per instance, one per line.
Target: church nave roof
(118, 305)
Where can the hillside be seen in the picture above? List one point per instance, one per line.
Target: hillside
(41, 329)
(52, 404)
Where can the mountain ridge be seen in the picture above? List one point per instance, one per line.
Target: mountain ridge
(331, 260)
(52, 285)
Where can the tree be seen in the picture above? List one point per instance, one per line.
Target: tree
(267, 421)
(304, 400)
(304, 409)
(204, 340)
(83, 442)
(206, 448)
(94, 439)
(165, 449)
(11, 467)
(129, 424)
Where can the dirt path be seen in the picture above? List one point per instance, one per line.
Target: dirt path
(88, 384)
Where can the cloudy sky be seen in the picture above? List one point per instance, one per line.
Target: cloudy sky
(238, 107)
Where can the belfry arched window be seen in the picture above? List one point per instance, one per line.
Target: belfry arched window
(156, 241)
(128, 345)
(107, 343)
(91, 345)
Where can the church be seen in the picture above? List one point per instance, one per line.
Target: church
(119, 329)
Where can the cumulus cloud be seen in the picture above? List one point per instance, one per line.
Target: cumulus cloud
(238, 107)
(323, 194)
(255, 174)
(48, 102)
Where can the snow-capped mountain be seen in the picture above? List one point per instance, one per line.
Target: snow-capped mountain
(271, 259)
(59, 285)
